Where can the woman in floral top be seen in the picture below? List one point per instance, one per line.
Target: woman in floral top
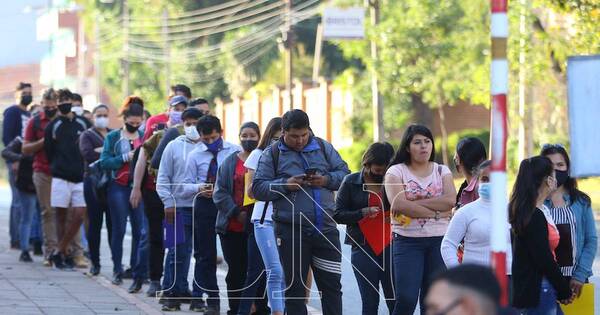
(421, 194)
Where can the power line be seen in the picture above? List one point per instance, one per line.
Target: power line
(199, 11)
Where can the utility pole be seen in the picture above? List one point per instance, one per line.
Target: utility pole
(378, 131)
(167, 49)
(525, 119)
(318, 48)
(125, 60)
(97, 58)
(288, 42)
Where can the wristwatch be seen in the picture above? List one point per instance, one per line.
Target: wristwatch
(437, 215)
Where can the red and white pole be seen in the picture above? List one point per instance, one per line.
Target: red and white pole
(499, 91)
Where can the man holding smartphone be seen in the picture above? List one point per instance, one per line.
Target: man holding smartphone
(299, 174)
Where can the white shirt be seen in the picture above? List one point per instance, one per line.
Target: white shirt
(259, 206)
(473, 223)
(197, 165)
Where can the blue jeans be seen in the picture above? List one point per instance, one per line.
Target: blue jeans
(416, 261)
(205, 251)
(28, 209)
(547, 304)
(97, 210)
(267, 244)
(370, 271)
(177, 263)
(120, 209)
(15, 205)
(254, 287)
(36, 224)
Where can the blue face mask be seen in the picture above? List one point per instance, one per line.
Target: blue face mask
(215, 146)
(485, 191)
(175, 117)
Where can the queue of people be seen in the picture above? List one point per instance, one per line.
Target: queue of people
(275, 201)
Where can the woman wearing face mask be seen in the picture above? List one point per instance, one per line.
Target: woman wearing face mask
(90, 145)
(118, 151)
(537, 282)
(262, 243)
(473, 225)
(571, 210)
(359, 197)
(233, 217)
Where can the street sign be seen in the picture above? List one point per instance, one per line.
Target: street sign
(344, 23)
(583, 88)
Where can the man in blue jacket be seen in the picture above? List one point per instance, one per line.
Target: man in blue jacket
(299, 175)
(15, 118)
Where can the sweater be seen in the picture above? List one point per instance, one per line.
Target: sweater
(61, 143)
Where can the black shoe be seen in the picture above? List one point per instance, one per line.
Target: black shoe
(37, 249)
(127, 274)
(94, 270)
(117, 279)
(69, 263)
(198, 305)
(58, 260)
(136, 286)
(170, 305)
(25, 257)
(211, 310)
(153, 288)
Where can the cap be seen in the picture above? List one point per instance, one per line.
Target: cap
(178, 99)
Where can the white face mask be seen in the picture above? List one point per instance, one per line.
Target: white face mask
(78, 110)
(101, 122)
(192, 133)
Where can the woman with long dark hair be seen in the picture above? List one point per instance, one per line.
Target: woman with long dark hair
(536, 278)
(233, 217)
(421, 194)
(571, 210)
(470, 153)
(359, 197)
(117, 154)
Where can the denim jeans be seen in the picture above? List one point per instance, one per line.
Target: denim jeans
(254, 286)
(416, 260)
(120, 209)
(267, 244)
(177, 264)
(155, 213)
(371, 271)
(205, 251)
(36, 224)
(547, 304)
(28, 209)
(97, 210)
(15, 205)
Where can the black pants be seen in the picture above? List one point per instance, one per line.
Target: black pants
(155, 213)
(97, 209)
(235, 252)
(301, 248)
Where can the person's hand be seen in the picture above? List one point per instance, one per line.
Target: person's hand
(576, 287)
(130, 155)
(294, 183)
(135, 197)
(369, 212)
(206, 191)
(170, 215)
(242, 216)
(317, 180)
(15, 166)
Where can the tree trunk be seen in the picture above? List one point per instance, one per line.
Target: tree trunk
(444, 134)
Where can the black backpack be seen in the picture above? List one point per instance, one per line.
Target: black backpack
(275, 154)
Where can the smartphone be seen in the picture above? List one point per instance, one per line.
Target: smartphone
(311, 171)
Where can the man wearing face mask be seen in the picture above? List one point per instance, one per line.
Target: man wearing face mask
(169, 186)
(159, 122)
(77, 105)
(15, 117)
(61, 143)
(201, 174)
(33, 145)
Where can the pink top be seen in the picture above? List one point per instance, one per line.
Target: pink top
(420, 188)
(553, 236)
(470, 193)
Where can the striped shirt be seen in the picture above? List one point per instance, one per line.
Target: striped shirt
(566, 251)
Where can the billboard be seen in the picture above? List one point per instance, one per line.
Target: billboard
(345, 23)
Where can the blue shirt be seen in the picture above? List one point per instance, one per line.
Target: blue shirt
(14, 120)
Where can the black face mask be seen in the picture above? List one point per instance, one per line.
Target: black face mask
(377, 178)
(249, 145)
(65, 108)
(131, 128)
(26, 99)
(561, 177)
(50, 112)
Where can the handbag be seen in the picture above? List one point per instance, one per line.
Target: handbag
(99, 176)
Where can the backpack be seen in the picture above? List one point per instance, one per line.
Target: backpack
(275, 155)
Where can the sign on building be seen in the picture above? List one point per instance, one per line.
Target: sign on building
(583, 83)
(344, 23)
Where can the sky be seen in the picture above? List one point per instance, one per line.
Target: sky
(18, 33)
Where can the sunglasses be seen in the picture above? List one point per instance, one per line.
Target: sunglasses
(553, 146)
